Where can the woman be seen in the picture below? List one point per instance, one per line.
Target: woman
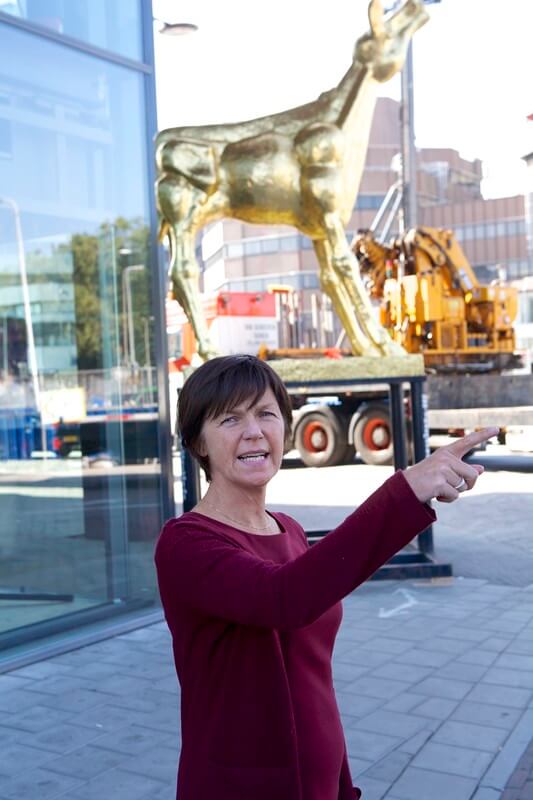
(253, 611)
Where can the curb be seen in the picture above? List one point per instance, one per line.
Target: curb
(507, 760)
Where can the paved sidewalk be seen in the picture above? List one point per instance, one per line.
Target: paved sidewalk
(434, 682)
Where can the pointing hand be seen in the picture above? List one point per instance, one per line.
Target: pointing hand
(444, 474)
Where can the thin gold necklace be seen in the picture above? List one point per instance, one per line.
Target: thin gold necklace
(238, 522)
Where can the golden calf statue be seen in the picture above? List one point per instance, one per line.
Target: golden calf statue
(301, 167)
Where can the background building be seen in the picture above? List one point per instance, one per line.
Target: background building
(84, 463)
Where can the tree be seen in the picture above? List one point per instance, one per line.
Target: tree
(99, 261)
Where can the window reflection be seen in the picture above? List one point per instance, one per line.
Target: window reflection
(79, 464)
(112, 26)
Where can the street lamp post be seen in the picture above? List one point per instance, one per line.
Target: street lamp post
(8, 202)
(4, 345)
(409, 201)
(409, 204)
(128, 308)
(21, 255)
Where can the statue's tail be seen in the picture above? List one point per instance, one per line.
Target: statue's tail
(164, 231)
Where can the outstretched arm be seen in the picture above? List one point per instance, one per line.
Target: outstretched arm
(205, 572)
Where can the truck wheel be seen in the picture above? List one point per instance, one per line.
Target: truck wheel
(373, 436)
(320, 440)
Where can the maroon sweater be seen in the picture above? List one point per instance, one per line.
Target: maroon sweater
(238, 617)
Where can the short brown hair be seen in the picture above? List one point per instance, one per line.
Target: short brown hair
(223, 383)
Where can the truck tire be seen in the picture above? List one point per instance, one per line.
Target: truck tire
(320, 439)
(372, 436)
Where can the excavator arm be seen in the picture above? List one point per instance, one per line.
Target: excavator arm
(377, 262)
(441, 249)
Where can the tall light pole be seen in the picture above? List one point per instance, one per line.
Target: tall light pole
(126, 277)
(8, 202)
(409, 196)
(529, 203)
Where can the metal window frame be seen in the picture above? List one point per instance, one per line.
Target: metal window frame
(78, 44)
(105, 614)
(159, 275)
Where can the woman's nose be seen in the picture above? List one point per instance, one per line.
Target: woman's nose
(253, 429)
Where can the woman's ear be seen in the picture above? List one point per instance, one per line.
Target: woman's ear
(200, 446)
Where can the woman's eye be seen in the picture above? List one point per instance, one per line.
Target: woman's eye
(227, 419)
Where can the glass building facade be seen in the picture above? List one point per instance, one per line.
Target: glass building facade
(85, 476)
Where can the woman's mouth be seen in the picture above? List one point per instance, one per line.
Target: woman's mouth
(253, 457)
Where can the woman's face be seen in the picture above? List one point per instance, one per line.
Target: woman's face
(245, 444)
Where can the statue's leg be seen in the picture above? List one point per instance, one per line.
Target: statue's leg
(184, 276)
(177, 202)
(346, 267)
(336, 291)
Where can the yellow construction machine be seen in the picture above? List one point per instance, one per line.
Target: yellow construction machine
(432, 302)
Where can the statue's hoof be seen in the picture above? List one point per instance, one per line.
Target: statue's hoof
(368, 351)
(396, 350)
(207, 355)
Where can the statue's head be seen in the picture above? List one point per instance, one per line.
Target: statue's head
(385, 46)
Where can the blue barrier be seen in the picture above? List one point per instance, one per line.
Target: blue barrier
(21, 433)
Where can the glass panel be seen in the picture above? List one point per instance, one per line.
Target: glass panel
(270, 245)
(235, 250)
(110, 24)
(484, 274)
(289, 243)
(305, 242)
(369, 201)
(79, 468)
(253, 285)
(252, 248)
(310, 280)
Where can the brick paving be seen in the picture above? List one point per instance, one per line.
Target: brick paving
(434, 682)
(520, 784)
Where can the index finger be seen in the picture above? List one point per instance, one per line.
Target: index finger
(461, 447)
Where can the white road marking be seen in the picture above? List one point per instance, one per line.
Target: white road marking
(410, 600)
